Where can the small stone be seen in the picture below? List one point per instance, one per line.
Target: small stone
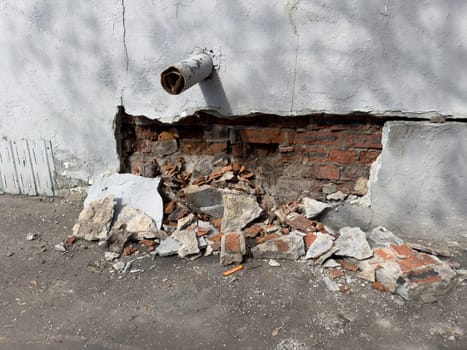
(329, 188)
(313, 207)
(8, 254)
(189, 243)
(352, 242)
(367, 271)
(138, 224)
(94, 220)
(119, 266)
(382, 237)
(60, 248)
(32, 236)
(289, 247)
(330, 263)
(337, 196)
(428, 298)
(110, 256)
(204, 198)
(167, 247)
(183, 223)
(164, 147)
(330, 284)
(361, 186)
(273, 263)
(233, 248)
(239, 210)
(322, 244)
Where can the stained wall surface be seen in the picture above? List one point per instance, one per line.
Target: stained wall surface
(67, 64)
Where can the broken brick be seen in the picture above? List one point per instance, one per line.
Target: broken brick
(348, 265)
(309, 239)
(69, 241)
(266, 237)
(402, 250)
(148, 242)
(415, 261)
(379, 286)
(300, 222)
(384, 253)
(233, 248)
(169, 207)
(284, 247)
(202, 231)
(252, 231)
(334, 273)
(345, 288)
(130, 250)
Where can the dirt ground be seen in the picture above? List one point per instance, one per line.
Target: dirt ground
(74, 300)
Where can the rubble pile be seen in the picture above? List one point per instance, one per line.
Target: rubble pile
(222, 211)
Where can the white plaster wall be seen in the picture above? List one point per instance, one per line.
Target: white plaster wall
(65, 66)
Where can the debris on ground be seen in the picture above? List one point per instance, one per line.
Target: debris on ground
(218, 208)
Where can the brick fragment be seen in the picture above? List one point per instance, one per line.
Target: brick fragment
(379, 286)
(335, 273)
(402, 251)
(309, 239)
(348, 265)
(300, 222)
(384, 253)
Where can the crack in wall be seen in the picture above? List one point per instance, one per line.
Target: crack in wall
(292, 10)
(125, 47)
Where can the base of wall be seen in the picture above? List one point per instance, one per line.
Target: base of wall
(290, 156)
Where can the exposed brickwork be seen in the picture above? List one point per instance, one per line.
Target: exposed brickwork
(291, 156)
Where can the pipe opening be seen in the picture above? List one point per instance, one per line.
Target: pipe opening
(172, 81)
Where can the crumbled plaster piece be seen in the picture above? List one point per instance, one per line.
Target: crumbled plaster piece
(130, 190)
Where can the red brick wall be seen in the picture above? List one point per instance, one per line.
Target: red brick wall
(290, 156)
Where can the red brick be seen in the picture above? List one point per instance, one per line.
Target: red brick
(232, 243)
(264, 135)
(196, 148)
(368, 157)
(309, 239)
(317, 137)
(252, 231)
(342, 157)
(402, 251)
(295, 157)
(356, 140)
(314, 154)
(266, 237)
(327, 172)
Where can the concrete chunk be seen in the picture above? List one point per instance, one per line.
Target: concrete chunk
(239, 210)
(233, 248)
(313, 207)
(322, 244)
(352, 242)
(289, 247)
(95, 220)
(167, 247)
(188, 241)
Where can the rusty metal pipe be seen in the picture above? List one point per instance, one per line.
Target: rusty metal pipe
(182, 75)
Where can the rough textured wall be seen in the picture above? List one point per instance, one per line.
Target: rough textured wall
(67, 64)
(289, 157)
(417, 185)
